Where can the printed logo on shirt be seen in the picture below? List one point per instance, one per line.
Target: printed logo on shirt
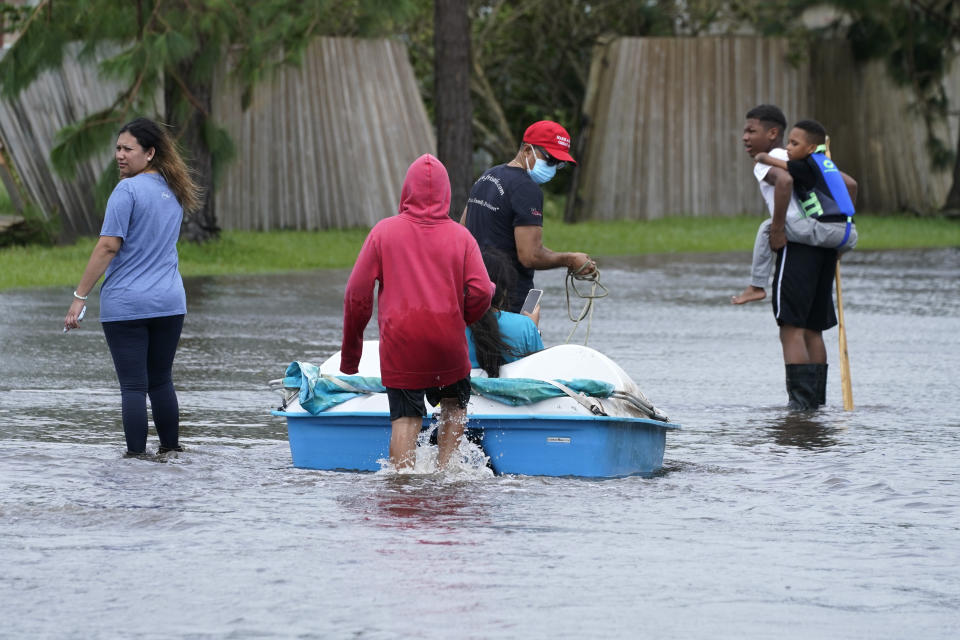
(494, 180)
(166, 195)
(535, 212)
(483, 203)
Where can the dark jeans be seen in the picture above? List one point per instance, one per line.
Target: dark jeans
(143, 352)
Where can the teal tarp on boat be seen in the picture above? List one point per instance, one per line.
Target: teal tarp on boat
(520, 391)
(319, 392)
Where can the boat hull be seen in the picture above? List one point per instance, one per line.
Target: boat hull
(565, 435)
(545, 445)
(595, 447)
(338, 441)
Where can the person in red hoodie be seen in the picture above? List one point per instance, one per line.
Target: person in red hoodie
(431, 284)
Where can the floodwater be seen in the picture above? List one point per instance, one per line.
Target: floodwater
(835, 525)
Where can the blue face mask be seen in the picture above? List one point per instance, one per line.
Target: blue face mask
(541, 172)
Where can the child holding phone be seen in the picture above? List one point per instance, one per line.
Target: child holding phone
(500, 336)
(532, 303)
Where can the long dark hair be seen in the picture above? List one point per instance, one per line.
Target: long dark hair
(167, 161)
(488, 343)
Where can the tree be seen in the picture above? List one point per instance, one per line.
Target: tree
(174, 48)
(452, 103)
(529, 61)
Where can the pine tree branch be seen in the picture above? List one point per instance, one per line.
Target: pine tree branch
(192, 99)
(154, 15)
(36, 11)
(133, 91)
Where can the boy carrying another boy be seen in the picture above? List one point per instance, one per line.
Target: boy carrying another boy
(825, 195)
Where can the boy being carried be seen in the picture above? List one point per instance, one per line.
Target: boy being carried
(825, 195)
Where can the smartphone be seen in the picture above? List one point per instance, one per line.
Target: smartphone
(83, 312)
(533, 299)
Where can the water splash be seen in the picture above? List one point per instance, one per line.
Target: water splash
(468, 462)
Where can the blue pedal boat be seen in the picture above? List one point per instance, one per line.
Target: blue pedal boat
(565, 411)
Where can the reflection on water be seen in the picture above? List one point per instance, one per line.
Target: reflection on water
(803, 430)
(423, 503)
(762, 523)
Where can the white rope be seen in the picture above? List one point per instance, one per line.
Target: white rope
(641, 402)
(343, 384)
(587, 311)
(591, 404)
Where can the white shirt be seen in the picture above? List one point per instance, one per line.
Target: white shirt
(766, 189)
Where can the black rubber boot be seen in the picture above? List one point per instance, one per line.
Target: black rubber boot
(821, 383)
(802, 386)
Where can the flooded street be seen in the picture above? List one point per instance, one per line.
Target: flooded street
(763, 525)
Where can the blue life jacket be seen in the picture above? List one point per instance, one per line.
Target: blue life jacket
(829, 200)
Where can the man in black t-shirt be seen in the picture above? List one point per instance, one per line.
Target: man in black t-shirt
(505, 207)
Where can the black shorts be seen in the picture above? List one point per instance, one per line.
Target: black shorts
(408, 403)
(803, 287)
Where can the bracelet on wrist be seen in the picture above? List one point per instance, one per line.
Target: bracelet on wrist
(80, 297)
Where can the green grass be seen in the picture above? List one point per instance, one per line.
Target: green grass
(244, 252)
(696, 235)
(238, 252)
(235, 252)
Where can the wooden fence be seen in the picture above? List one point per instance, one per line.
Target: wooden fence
(664, 118)
(323, 145)
(28, 128)
(326, 144)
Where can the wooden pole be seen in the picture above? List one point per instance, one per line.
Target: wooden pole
(845, 382)
(844, 357)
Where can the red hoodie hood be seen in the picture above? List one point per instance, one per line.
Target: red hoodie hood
(426, 190)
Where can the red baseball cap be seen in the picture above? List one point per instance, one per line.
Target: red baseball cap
(552, 137)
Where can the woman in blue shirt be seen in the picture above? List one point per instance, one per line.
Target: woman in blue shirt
(142, 301)
(500, 336)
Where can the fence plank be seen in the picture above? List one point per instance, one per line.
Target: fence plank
(664, 136)
(326, 144)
